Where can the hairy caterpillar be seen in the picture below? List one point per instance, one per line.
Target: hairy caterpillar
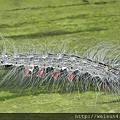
(97, 69)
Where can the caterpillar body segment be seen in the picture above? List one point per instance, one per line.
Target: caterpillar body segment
(56, 70)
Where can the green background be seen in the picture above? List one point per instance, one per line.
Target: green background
(55, 22)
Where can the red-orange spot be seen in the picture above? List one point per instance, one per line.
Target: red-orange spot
(105, 87)
(71, 77)
(41, 73)
(56, 75)
(27, 72)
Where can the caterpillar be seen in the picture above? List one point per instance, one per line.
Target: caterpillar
(97, 69)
